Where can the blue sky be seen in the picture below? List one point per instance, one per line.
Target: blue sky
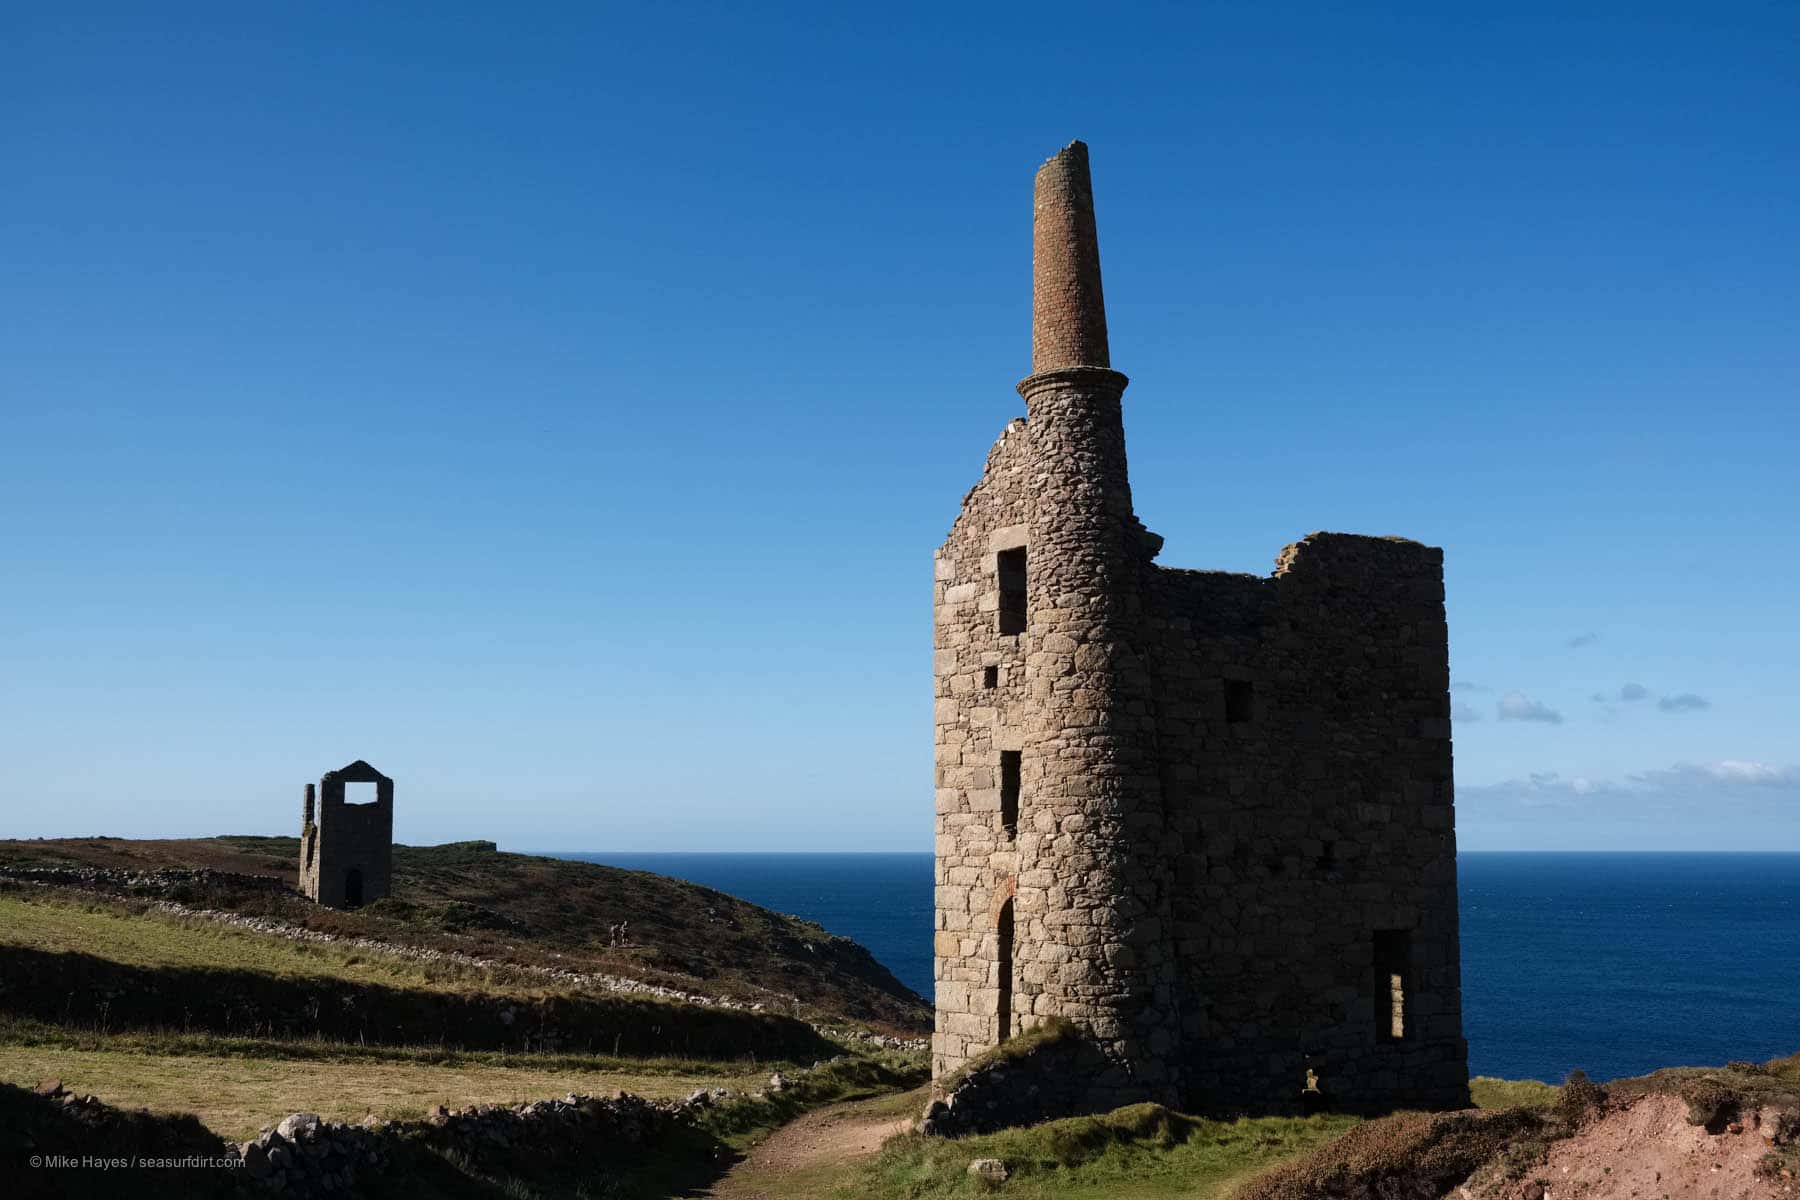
(558, 405)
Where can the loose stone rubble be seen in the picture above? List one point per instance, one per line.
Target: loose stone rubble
(307, 1156)
(989, 1170)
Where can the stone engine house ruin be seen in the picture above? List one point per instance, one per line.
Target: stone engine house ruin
(1206, 818)
(347, 848)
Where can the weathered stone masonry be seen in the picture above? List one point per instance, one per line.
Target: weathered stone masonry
(347, 850)
(1206, 817)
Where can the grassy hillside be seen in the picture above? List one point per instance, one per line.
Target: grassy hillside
(541, 912)
(140, 936)
(481, 981)
(107, 964)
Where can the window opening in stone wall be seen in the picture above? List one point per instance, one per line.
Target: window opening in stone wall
(1010, 764)
(1011, 571)
(1239, 698)
(990, 677)
(1003, 937)
(359, 793)
(1393, 956)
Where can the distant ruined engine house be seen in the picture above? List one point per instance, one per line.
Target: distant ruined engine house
(1206, 818)
(346, 849)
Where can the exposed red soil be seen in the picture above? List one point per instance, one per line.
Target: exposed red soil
(1647, 1150)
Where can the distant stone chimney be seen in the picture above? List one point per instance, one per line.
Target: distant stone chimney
(347, 849)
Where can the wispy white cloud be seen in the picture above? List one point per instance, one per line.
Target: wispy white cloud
(1464, 713)
(1722, 804)
(1517, 706)
(1731, 772)
(1707, 781)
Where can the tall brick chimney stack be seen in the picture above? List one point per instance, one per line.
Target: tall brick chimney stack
(1068, 313)
(1092, 957)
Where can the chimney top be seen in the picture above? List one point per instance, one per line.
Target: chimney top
(1068, 312)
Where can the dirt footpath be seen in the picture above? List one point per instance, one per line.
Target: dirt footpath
(827, 1137)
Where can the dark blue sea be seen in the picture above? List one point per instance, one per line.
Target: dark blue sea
(1614, 963)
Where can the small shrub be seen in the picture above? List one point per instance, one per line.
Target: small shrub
(1784, 1068)
(1778, 1165)
(1405, 1154)
(1709, 1103)
(1579, 1097)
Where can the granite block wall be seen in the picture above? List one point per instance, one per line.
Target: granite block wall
(1207, 818)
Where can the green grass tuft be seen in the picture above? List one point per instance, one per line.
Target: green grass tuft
(1489, 1092)
(1140, 1152)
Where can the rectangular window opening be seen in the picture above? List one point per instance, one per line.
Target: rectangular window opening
(1240, 698)
(1011, 571)
(1003, 936)
(1010, 763)
(359, 793)
(990, 677)
(1393, 960)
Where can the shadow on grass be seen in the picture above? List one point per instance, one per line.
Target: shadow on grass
(85, 990)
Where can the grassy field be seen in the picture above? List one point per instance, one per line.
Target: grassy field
(236, 1096)
(238, 1085)
(146, 938)
(172, 1014)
